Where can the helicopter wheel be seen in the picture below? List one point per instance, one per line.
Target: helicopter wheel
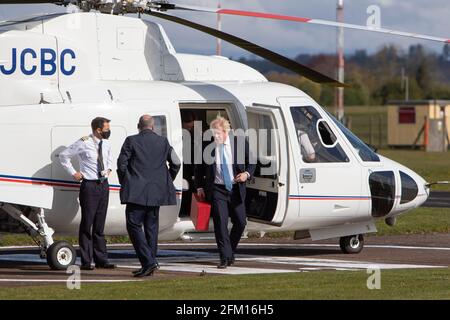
(61, 255)
(352, 244)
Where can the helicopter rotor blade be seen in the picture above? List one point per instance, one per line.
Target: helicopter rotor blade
(31, 1)
(33, 18)
(276, 58)
(329, 23)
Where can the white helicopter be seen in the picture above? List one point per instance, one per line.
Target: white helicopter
(59, 71)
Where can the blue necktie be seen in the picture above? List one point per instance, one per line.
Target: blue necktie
(225, 172)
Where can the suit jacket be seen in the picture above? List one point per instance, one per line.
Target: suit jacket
(205, 173)
(143, 173)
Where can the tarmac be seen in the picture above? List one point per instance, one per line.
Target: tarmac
(438, 199)
(22, 266)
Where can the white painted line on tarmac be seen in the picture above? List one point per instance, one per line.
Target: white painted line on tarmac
(333, 264)
(280, 245)
(65, 281)
(195, 268)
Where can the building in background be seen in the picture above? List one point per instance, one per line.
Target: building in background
(419, 124)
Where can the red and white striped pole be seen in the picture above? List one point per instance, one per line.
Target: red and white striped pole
(341, 61)
(219, 27)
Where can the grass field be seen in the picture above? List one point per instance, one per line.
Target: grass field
(432, 166)
(395, 284)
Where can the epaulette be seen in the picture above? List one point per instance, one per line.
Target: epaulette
(85, 138)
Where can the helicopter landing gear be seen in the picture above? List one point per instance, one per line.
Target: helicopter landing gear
(352, 244)
(60, 255)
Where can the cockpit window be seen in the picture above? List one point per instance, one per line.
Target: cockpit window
(363, 149)
(409, 188)
(382, 189)
(317, 141)
(327, 136)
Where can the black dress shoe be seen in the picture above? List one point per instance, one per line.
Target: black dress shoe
(140, 270)
(223, 264)
(87, 267)
(136, 271)
(231, 261)
(105, 266)
(146, 272)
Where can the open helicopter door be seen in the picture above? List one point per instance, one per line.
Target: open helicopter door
(267, 193)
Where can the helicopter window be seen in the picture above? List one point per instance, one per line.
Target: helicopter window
(160, 126)
(317, 141)
(364, 151)
(327, 137)
(409, 188)
(382, 189)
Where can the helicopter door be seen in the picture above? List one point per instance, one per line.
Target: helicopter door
(329, 175)
(267, 191)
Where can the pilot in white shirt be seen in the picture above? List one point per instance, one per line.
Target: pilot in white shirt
(95, 158)
(307, 149)
(87, 151)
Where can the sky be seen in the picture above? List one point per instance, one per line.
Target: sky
(428, 17)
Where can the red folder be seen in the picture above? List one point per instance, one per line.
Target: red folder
(200, 213)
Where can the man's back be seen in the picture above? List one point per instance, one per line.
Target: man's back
(143, 172)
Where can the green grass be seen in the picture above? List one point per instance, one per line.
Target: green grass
(432, 166)
(419, 221)
(23, 239)
(368, 123)
(395, 284)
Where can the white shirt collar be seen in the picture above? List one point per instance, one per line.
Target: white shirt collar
(96, 140)
(227, 141)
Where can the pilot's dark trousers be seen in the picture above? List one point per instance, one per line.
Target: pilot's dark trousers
(94, 198)
(226, 205)
(145, 242)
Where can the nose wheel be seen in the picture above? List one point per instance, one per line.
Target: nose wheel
(352, 244)
(61, 255)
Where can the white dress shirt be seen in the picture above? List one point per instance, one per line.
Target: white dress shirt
(218, 179)
(306, 146)
(86, 149)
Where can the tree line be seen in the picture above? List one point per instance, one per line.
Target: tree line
(375, 78)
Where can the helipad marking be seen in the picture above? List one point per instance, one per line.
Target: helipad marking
(334, 264)
(195, 268)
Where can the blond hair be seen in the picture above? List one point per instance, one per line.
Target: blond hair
(220, 123)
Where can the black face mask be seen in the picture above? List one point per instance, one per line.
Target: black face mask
(106, 134)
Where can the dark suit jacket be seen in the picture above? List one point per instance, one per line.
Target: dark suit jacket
(205, 173)
(142, 169)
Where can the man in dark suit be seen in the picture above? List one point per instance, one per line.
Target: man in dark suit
(146, 184)
(222, 183)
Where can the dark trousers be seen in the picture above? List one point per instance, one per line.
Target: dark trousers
(145, 242)
(226, 205)
(94, 198)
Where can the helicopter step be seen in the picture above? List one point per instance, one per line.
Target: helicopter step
(60, 254)
(197, 236)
